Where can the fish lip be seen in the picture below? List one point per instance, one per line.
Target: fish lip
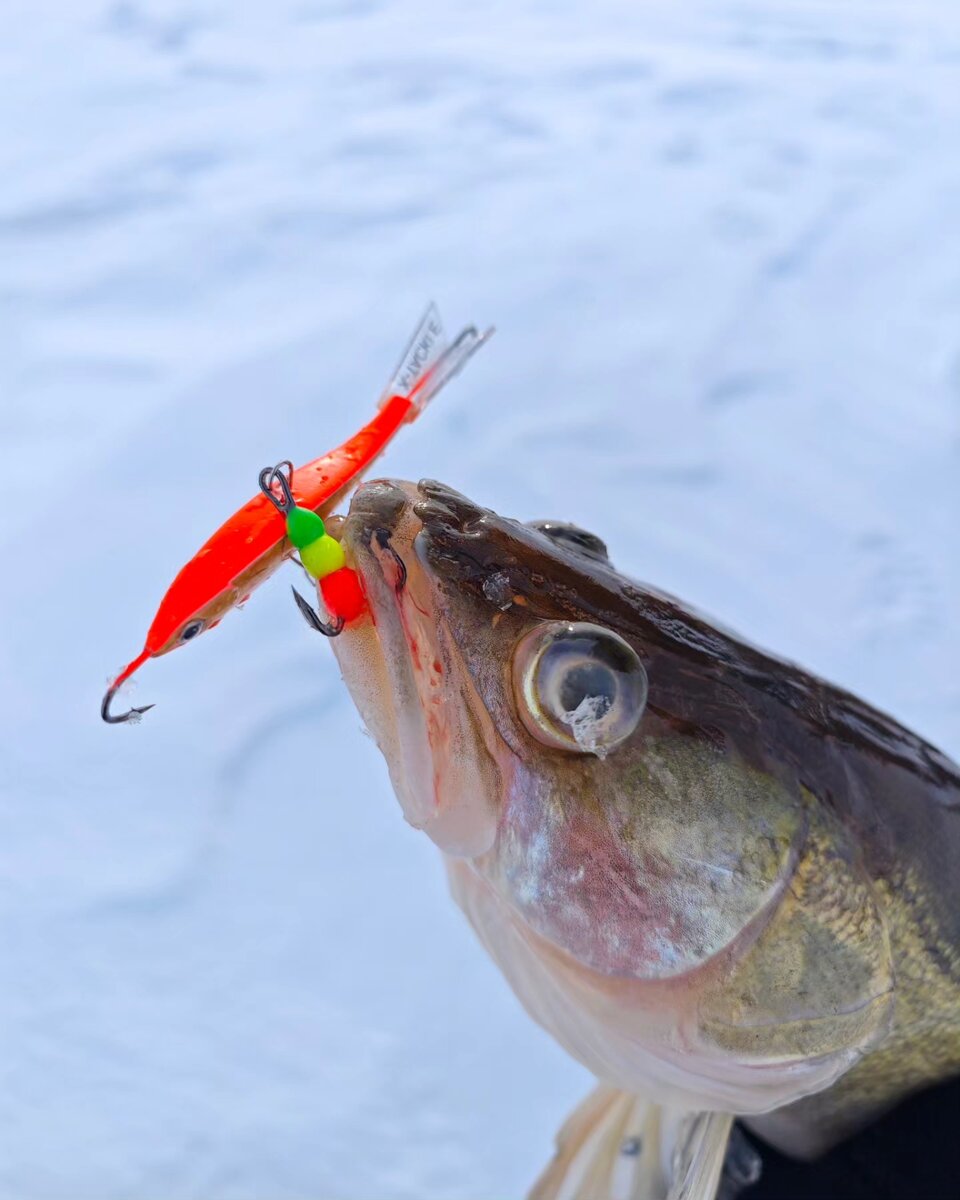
(443, 752)
(367, 536)
(381, 504)
(405, 633)
(429, 509)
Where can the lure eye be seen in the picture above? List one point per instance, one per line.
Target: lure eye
(191, 630)
(578, 687)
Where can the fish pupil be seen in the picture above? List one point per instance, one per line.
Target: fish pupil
(588, 680)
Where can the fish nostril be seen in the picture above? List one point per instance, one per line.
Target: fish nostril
(430, 512)
(440, 499)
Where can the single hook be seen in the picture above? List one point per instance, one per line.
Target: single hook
(274, 475)
(133, 714)
(314, 620)
(383, 541)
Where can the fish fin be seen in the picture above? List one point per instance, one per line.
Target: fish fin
(620, 1146)
(609, 1148)
(698, 1156)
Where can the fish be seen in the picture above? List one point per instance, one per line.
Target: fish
(725, 886)
(251, 544)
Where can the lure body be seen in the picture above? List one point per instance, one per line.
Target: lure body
(250, 545)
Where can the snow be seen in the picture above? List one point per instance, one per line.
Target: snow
(586, 724)
(497, 589)
(719, 241)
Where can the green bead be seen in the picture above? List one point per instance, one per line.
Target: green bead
(304, 527)
(322, 557)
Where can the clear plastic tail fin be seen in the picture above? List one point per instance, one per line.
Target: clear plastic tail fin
(429, 360)
(427, 343)
(450, 362)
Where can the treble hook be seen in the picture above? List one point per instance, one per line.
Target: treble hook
(314, 620)
(285, 504)
(133, 714)
(271, 475)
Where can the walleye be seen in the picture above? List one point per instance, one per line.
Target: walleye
(723, 885)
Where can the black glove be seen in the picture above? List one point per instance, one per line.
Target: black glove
(911, 1153)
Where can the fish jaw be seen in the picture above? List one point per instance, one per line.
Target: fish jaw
(447, 764)
(643, 1037)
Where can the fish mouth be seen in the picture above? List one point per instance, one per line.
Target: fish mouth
(407, 676)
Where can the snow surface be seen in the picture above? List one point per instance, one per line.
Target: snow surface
(721, 242)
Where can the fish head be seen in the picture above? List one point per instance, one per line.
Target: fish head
(631, 848)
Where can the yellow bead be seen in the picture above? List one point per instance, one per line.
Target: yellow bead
(322, 557)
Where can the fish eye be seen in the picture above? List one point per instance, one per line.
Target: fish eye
(191, 630)
(578, 686)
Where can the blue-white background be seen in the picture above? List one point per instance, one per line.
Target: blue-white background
(721, 243)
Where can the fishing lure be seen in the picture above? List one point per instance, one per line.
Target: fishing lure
(251, 544)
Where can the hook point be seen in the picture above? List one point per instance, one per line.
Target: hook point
(314, 620)
(133, 714)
